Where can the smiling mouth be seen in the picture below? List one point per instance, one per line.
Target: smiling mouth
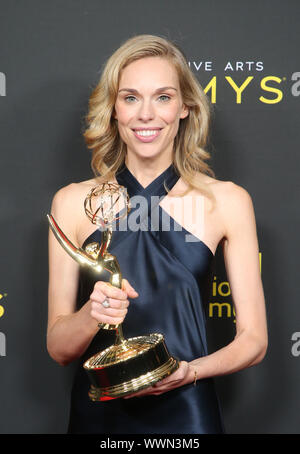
(146, 132)
(146, 135)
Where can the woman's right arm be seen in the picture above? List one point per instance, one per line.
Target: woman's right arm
(70, 332)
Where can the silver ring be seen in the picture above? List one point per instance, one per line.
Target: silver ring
(105, 303)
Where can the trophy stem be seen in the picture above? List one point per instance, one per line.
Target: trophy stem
(119, 335)
(105, 242)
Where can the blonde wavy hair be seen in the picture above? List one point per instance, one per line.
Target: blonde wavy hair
(102, 136)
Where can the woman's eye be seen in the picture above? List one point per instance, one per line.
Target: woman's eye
(164, 98)
(129, 98)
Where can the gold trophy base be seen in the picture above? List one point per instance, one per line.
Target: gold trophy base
(128, 367)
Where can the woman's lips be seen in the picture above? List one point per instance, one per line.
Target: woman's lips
(147, 138)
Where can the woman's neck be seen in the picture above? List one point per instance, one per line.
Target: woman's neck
(146, 170)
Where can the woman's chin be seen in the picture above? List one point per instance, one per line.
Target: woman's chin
(147, 154)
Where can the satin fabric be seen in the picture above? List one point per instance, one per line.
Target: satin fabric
(173, 277)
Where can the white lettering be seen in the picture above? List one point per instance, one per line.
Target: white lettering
(296, 346)
(2, 344)
(295, 90)
(2, 84)
(228, 66)
(120, 444)
(207, 65)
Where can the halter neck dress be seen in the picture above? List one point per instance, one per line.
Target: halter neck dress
(173, 278)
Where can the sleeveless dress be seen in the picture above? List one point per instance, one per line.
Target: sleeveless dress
(173, 278)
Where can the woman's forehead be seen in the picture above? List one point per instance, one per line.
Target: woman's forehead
(154, 71)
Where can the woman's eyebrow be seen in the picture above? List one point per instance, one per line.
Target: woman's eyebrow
(132, 90)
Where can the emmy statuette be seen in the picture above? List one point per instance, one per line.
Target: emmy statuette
(130, 364)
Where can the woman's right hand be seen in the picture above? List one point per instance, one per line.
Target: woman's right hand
(117, 299)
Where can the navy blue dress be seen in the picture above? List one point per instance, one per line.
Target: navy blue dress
(173, 278)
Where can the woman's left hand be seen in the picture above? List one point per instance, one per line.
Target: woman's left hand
(182, 376)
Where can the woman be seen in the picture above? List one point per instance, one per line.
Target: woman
(148, 126)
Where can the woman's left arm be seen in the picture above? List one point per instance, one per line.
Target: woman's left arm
(241, 257)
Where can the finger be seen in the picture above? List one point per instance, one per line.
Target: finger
(97, 296)
(176, 376)
(98, 308)
(131, 292)
(144, 392)
(163, 385)
(150, 391)
(118, 304)
(103, 318)
(115, 313)
(109, 290)
(115, 304)
(167, 382)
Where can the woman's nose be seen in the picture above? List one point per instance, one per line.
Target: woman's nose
(146, 111)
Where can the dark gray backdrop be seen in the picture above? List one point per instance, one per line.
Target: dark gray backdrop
(51, 54)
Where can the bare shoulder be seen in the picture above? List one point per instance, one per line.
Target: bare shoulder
(234, 203)
(67, 206)
(230, 199)
(69, 196)
(229, 192)
(235, 198)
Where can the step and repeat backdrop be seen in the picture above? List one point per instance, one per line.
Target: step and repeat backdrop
(246, 56)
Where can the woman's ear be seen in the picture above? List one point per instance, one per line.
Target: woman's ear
(184, 111)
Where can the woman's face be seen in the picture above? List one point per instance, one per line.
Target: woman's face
(149, 107)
